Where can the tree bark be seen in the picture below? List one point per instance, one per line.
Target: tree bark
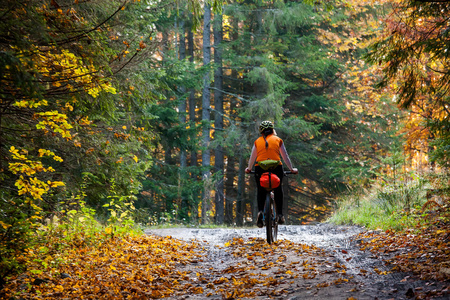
(206, 112)
(192, 116)
(185, 207)
(240, 193)
(230, 191)
(218, 118)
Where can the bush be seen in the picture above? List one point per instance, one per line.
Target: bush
(17, 226)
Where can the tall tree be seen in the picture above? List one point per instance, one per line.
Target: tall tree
(218, 118)
(206, 111)
(192, 100)
(184, 209)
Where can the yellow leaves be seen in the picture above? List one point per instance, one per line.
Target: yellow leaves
(66, 71)
(379, 272)
(55, 121)
(31, 103)
(16, 155)
(32, 185)
(54, 184)
(4, 225)
(85, 121)
(94, 90)
(151, 266)
(135, 158)
(59, 289)
(197, 290)
(43, 152)
(69, 106)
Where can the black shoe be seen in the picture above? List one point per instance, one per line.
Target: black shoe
(259, 221)
(281, 219)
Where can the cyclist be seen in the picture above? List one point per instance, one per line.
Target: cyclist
(269, 147)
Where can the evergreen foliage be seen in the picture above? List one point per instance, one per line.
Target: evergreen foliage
(414, 54)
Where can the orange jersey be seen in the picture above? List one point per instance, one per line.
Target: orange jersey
(271, 152)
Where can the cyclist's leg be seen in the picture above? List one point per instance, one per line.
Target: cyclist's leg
(261, 192)
(278, 192)
(260, 196)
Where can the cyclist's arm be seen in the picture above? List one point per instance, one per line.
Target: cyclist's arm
(286, 159)
(252, 160)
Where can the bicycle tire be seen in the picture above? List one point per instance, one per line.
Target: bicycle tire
(271, 219)
(274, 221)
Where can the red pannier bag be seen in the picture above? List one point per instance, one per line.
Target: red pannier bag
(269, 181)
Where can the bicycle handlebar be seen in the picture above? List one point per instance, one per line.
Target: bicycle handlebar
(285, 172)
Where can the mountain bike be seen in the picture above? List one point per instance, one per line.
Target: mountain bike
(270, 216)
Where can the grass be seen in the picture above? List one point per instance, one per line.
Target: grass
(388, 206)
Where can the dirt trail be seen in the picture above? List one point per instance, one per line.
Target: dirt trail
(310, 262)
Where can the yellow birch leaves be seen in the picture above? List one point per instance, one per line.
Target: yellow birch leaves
(64, 72)
(28, 183)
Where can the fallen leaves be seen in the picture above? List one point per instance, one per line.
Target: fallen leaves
(258, 269)
(155, 267)
(424, 250)
(130, 267)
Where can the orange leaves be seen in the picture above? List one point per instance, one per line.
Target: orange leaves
(424, 253)
(155, 267)
(133, 267)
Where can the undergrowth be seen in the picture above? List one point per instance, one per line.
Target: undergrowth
(392, 204)
(35, 240)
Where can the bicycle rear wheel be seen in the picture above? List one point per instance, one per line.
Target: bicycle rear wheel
(270, 218)
(274, 220)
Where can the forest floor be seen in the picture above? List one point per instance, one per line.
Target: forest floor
(308, 262)
(321, 261)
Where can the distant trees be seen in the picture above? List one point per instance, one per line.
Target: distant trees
(413, 54)
(130, 103)
(289, 62)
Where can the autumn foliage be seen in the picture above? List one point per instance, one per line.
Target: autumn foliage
(124, 267)
(135, 267)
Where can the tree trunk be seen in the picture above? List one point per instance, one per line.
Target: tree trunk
(287, 201)
(218, 118)
(206, 112)
(230, 191)
(184, 208)
(252, 199)
(167, 148)
(193, 157)
(192, 117)
(241, 190)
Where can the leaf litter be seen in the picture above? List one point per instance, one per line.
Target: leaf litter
(421, 252)
(153, 267)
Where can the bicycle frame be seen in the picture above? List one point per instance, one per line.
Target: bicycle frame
(270, 217)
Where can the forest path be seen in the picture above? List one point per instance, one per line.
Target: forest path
(321, 261)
